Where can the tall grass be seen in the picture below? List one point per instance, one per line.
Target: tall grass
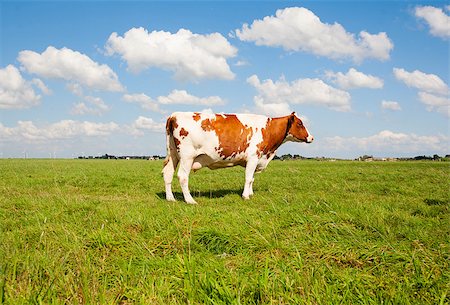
(100, 231)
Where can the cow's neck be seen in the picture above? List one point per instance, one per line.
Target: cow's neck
(274, 134)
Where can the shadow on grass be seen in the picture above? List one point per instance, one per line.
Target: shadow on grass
(205, 194)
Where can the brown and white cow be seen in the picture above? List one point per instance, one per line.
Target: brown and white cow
(197, 140)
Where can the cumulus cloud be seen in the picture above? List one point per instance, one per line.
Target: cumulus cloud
(71, 66)
(190, 56)
(436, 103)
(354, 79)
(301, 91)
(425, 82)
(182, 97)
(391, 142)
(437, 20)
(27, 131)
(75, 89)
(179, 97)
(241, 63)
(390, 105)
(272, 109)
(91, 105)
(299, 29)
(142, 124)
(40, 84)
(16, 92)
(433, 91)
(143, 100)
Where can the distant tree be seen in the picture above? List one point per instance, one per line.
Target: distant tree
(365, 158)
(286, 157)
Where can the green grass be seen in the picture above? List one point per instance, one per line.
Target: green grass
(100, 232)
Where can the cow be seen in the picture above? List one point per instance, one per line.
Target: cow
(204, 139)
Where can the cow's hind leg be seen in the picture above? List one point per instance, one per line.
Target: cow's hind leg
(170, 164)
(183, 176)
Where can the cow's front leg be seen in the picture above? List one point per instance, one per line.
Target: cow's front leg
(251, 187)
(183, 176)
(249, 172)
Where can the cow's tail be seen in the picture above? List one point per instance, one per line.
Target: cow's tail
(168, 157)
(171, 156)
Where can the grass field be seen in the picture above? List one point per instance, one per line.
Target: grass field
(100, 232)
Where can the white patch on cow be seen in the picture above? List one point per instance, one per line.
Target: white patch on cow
(198, 141)
(310, 137)
(257, 123)
(263, 162)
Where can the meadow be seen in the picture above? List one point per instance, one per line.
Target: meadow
(101, 232)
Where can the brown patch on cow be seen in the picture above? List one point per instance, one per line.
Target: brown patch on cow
(177, 143)
(196, 116)
(273, 135)
(171, 125)
(206, 125)
(183, 133)
(234, 137)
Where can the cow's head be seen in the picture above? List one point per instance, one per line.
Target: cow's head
(297, 132)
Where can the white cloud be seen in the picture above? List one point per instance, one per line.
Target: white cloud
(143, 100)
(436, 103)
(181, 97)
(301, 91)
(241, 63)
(142, 123)
(40, 84)
(15, 91)
(422, 81)
(354, 79)
(191, 56)
(272, 109)
(27, 131)
(433, 90)
(71, 66)
(437, 20)
(390, 105)
(75, 89)
(92, 105)
(390, 142)
(299, 29)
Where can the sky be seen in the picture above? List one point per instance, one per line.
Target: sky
(96, 77)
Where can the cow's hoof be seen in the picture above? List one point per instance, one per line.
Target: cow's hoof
(245, 197)
(190, 200)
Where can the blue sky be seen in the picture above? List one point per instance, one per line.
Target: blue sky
(88, 78)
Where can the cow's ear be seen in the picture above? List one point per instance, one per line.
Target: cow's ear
(290, 121)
